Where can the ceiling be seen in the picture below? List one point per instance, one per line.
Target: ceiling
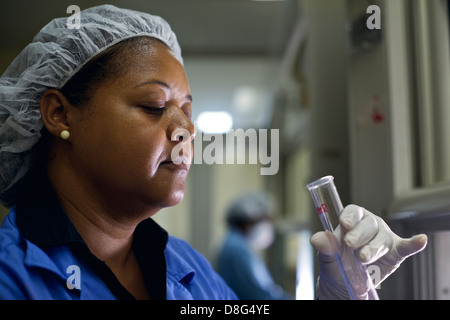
(206, 29)
(203, 27)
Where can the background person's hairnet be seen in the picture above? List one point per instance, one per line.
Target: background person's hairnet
(251, 207)
(49, 61)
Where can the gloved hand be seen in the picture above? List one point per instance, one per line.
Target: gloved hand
(377, 244)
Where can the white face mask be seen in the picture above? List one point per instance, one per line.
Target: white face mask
(261, 235)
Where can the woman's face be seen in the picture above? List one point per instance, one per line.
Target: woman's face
(122, 140)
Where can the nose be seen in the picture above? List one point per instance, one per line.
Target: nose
(180, 128)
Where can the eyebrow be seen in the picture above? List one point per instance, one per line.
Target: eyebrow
(161, 83)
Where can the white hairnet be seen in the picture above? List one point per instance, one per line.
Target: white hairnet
(49, 61)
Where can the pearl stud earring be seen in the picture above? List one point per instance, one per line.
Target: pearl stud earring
(65, 134)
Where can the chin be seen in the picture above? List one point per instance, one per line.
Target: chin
(172, 199)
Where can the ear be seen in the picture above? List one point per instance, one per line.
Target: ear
(54, 107)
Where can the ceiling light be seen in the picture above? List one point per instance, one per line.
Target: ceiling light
(214, 122)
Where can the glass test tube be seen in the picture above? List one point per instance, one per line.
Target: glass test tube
(329, 207)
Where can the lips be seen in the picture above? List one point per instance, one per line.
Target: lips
(178, 163)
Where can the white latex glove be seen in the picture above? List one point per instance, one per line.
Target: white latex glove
(377, 243)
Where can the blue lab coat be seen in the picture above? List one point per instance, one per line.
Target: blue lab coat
(42, 256)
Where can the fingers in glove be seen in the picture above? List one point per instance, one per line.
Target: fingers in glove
(351, 216)
(407, 247)
(376, 248)
(324, 242)
(361, 228)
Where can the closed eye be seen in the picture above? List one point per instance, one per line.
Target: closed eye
(154, 110)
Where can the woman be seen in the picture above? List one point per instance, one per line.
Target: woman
(89, 118)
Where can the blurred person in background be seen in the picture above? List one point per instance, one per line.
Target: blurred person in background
(239, 260)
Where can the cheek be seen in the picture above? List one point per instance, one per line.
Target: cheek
(122, 148)
(141, 150)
